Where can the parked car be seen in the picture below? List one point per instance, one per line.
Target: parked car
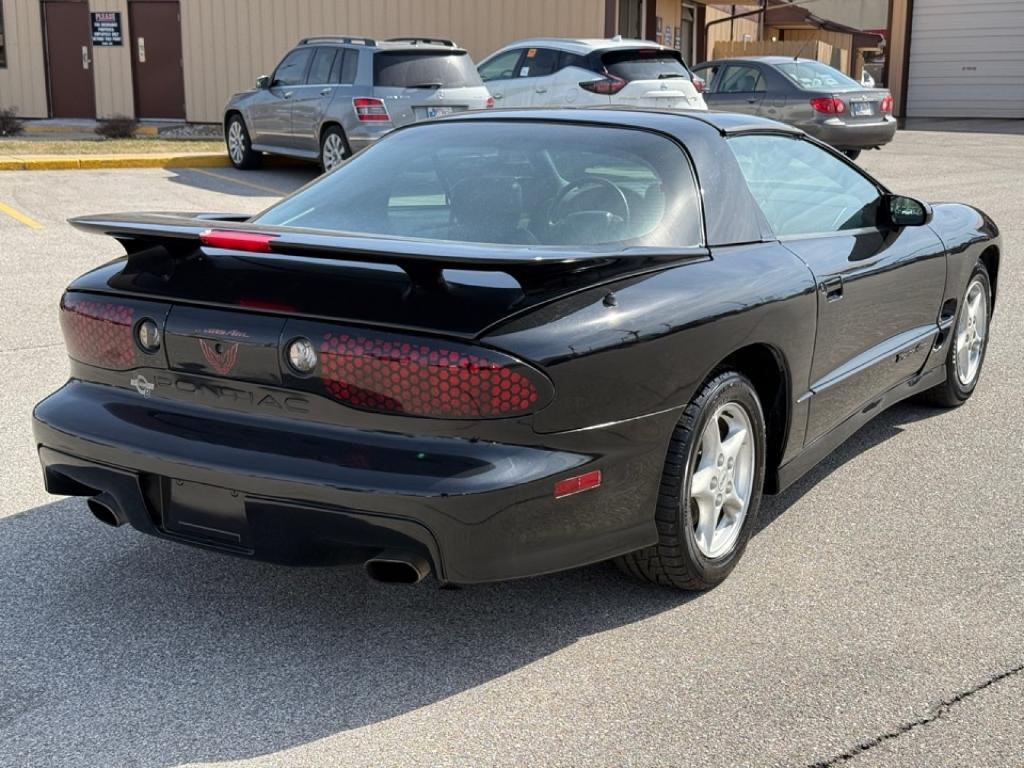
(483, 357)
(804, 93)
(556, 72)
(333, 96)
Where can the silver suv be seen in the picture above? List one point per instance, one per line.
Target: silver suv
(333, 96)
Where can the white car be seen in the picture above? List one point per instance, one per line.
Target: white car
(558, 72)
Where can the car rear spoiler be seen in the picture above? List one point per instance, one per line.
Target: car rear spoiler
(535, 268)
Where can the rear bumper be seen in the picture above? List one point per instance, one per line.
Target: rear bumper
(294, 491)
(853, 135)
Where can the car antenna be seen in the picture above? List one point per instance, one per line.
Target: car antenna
(801, 49)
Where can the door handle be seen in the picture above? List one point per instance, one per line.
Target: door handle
(832, 287)
(751, 101)
(85, 57)
(324, 91)
(287, 94)
(497, 96)
(541, 90)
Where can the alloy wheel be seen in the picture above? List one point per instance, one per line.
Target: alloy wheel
(236, 142)
(333, 152)
(722, 479)
(971, 330)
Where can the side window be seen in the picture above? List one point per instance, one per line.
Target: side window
(538, 62)
(292, 70)
(320, 69)
(343, 72)
(738, 79)
(803, 189)
(501, 67)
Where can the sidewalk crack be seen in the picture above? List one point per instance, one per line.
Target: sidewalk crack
(935, 712)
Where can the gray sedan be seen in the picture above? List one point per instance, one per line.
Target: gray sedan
(804, 93)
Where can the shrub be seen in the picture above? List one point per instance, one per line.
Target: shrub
(10, 125)
(117, 127)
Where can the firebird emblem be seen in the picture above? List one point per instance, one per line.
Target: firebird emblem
(220, 356)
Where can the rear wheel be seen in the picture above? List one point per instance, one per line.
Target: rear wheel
(853, 154)
(333, 149)
(710, 489)
(967, 345)
(240, 150)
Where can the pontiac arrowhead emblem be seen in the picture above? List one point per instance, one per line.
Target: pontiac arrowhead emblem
(220, 356)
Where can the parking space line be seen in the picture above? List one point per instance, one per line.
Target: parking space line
(232, 180)
(28, 221)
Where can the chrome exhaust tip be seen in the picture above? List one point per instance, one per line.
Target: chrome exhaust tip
(397, 568)
(104, 512)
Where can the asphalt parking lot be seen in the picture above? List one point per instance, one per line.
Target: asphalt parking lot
(877, 618)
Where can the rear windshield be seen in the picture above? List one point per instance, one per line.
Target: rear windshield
(644, 64)
(404, 69)
(815, 76)
(512, 183)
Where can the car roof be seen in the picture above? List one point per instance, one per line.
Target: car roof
(582, 45)
(724, 123)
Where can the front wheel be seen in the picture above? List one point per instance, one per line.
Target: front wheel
(710, 488)
(240, 150)
(967, 344)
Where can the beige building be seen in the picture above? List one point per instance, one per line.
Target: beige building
(181, 59)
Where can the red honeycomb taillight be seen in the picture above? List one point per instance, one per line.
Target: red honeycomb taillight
(420, 377)
(99, 332)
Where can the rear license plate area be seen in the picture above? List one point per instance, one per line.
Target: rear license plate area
(438, 111)
(205, 513)
(861, 108)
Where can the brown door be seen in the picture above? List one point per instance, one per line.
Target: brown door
(69, 59)
(159, 82)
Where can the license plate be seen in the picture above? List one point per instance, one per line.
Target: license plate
(861, 108)
(438, 111)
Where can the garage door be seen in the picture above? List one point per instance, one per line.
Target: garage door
(966, 59)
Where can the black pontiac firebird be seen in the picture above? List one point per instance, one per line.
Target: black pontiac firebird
(505, 344)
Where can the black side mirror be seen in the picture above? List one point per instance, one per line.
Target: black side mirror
(908, 212)
(263, 82)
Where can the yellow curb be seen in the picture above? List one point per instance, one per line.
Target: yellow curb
(93, 162)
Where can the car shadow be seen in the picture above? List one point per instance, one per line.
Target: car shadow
(886, 425)
(152, 654)
(275, 180)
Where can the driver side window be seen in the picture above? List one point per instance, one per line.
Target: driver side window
(292, 69)
(802, 189)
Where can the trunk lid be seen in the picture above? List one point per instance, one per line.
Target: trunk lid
(421, 84)
(653, 77)
(864, 106)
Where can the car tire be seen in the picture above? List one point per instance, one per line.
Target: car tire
(968, 343)
(334, 149)
(689, 553)
(240, 151)
(853, 154)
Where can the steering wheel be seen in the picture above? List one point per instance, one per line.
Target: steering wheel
(581, 186)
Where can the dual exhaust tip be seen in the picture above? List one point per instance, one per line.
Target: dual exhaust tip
(388, 567)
